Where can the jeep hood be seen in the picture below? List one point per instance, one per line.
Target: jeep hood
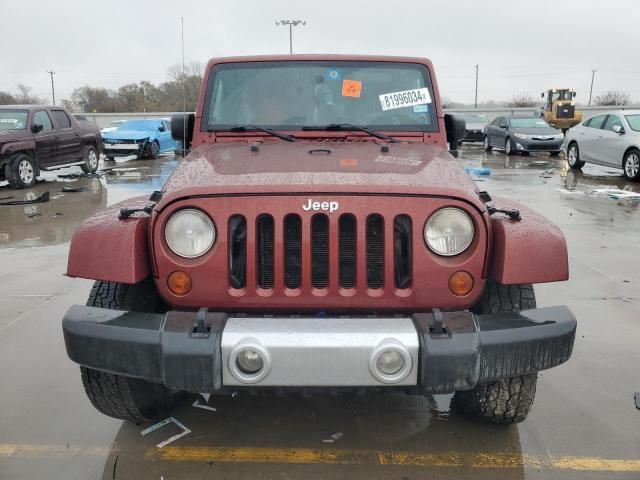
(232, 168)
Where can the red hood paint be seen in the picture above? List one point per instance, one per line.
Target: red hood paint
(319, 167)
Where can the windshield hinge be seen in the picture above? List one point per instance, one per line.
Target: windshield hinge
(127, 212)
(513, 214)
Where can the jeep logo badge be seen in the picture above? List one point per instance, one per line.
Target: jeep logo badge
(320, 206)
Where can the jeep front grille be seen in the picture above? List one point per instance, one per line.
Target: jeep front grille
(326, 251)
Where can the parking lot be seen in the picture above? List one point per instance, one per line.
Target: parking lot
(584, 424)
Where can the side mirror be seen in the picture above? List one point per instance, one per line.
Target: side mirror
(161, 128)
(36, 127)
(456, 128)
(182, 128)
(504, 126)
(574, 94)
(619, 129)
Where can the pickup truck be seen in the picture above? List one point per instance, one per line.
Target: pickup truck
(319, 236)
(35, 138)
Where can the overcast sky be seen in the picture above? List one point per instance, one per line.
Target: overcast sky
(521, 46)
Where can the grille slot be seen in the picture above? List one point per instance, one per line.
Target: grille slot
(375, 251)
(292, 251)
(237, 251)
(320, 251)
(347, 253)
(264, 254)
(402, 254)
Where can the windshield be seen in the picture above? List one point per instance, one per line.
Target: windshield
(13, 119)
(290, 95)
(139, 125)
(115, 123)
(634, 121)
(476, 118)
(532, 122)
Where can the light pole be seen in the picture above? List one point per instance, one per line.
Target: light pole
(476, 101)
(291, 24)
(593, 74)
(53, 90)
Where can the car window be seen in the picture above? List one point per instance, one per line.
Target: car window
(496, 122)
(595, 122)
(61, 118)
(166, 125)
(42, 118)
(503, 122)
(612, 121)
(634, 122)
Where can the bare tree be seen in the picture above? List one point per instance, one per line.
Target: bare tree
(7, 99)
(522, 100)
(24, 96)
(612, 97)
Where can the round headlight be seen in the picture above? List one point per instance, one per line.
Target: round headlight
(190, 233)
(449, 231)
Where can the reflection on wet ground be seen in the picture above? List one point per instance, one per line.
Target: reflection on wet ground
(74, 197)
(584, 423)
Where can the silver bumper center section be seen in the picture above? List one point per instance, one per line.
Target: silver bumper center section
(320, 352)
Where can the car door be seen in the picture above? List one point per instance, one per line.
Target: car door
(610, 147)
(165, 137)
(69, 144)
(46, 139)
(491, 130)
(501, 132)
(589, 136)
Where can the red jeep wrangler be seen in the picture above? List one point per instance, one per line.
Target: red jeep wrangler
(318, 236)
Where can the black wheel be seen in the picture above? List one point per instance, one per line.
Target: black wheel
(152, 150)
(507, 146)
(91, 159)
(21, 171)
(555, 154)
(631, 164)
(573, 156)
(119, 396)
(485, 143)
(507, 400)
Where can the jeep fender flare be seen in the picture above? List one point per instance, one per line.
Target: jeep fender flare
(106, 248)
(531, 250)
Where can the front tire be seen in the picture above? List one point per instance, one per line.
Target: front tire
(21, 171)
(573, 156)
(506, 400)
(507, 146)
(91, 159)
(119, 396)
(631, 164)
(152, 150)
(485, 144)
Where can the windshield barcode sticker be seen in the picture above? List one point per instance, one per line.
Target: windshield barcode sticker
(407, 98)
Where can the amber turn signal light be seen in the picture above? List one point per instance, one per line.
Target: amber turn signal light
(179, 283)
(461, 283)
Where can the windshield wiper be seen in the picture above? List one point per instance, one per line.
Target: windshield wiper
(336, 127)
(246, 128)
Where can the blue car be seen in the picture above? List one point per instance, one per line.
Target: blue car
(142, 138)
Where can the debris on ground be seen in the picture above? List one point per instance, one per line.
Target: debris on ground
(540, 163)
(75, 176)
(547, 174)
(32, 215)
(204, 406)
(616, 194)
(478, 170)
(166, 421)
(6, 198)
(570, 192)
(41, 199)
(334, 437)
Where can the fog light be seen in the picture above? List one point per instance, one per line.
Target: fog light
(249, 361)
(461, 283)
(179, 283)
(390, 362)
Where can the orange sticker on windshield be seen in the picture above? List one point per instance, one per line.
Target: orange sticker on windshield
(351, 88)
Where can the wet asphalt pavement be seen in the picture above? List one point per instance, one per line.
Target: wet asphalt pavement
(584, 423)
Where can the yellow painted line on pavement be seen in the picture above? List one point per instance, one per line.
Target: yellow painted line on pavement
(379, 457)
(472, 460)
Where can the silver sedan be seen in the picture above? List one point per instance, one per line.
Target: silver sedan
(611, 139)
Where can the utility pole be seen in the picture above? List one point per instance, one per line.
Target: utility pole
(53, 90)
(593, 74)
(291, 24)
(476, 102)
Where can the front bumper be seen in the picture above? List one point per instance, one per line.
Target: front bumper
(530, 145)
(473, 136)
(123, 149)
(444, 352)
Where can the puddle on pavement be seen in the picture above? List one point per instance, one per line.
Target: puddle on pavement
(75, 196)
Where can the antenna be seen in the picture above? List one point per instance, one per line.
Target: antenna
(184, 94)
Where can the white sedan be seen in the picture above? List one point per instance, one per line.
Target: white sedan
(611, 139)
